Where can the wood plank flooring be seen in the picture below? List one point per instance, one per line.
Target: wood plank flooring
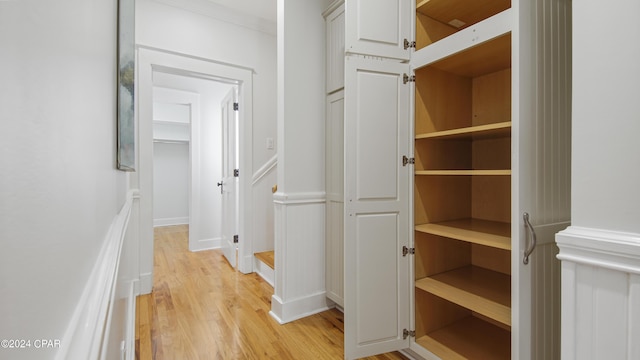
(201, 308)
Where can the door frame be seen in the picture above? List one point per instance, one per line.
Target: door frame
(150, 60)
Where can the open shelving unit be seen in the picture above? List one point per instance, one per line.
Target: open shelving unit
(462, 184)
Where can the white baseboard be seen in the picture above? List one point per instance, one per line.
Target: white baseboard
(265, 271)
(146, 283)
(171, 221)
(207, 244)
(284, 312)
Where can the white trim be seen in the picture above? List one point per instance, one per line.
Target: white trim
(265, 169)
(601, 248)
(146, 283)
(150, 60)
(334, 5)
(265, 271)
(299, 198)
(170, 221)
(87, 331)
(284, 312)
(207, 244)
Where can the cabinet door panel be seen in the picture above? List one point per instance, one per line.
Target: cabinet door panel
(378, 27)
(376, 207)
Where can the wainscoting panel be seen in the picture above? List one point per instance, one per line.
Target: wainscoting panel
(600, 294)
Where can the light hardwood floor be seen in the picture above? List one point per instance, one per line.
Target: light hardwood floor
(200, 308)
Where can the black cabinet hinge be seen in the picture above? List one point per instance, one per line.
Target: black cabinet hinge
(236, 238)
(406, 251)
(409, 44)
(236, 106)
(406, 333)
(406, 78)
(407, 160)
(236, 172)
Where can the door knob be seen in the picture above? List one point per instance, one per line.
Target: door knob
(221, 185)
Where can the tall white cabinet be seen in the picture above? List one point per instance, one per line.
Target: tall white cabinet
(456, 176)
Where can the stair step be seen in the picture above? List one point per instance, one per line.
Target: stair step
(266, 257)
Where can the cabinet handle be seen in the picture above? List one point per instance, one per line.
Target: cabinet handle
(534, 240)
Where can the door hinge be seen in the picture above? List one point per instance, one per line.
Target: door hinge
(406, 251)
(406, 333)
(236, 172)
(406, 78)
(236, 106)
(409, 44)
(406, 160)
(236, 238)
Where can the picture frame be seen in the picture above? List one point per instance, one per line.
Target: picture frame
(126, 132)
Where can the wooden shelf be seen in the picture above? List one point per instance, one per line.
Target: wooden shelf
(483, 291)
(469, 338)
(496, 130)
(464, 172)
(489, 233)
(452, 12)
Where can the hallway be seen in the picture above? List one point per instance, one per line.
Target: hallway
(201, 308)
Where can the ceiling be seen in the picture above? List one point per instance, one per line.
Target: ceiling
(265, 9)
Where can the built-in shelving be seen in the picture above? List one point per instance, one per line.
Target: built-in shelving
(488, 233)
(462, 177)
(438, 19)
(483, 291)
(494, 130)
(468, 338)
(464, 172)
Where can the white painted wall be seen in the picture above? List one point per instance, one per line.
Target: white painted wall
(170, 183)
(59, 189)
(205, 32)
(600, 252)
(170, 163)
(606, 116)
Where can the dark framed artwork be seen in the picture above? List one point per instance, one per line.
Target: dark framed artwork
(126, 86)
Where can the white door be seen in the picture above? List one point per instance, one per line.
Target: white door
(229, 183)
(377, 276)
(378, 28)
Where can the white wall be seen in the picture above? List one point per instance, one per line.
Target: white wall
(59, 189)
(600, 252)
(170, 163)
(203, 32)
(170, 183)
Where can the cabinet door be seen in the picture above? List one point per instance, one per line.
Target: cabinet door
(378, 27)
(377, 276)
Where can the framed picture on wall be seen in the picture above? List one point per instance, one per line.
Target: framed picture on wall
(126, 86)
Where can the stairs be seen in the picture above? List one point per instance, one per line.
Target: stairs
(265, 266)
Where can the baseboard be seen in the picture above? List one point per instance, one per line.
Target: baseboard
(171, 221)
(207, 244)
(284, 312)
(264, 271)
(146, 283)
(87, 335)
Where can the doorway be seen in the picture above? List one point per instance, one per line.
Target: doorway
(153, 65)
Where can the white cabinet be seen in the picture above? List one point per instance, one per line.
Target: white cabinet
(447, 147)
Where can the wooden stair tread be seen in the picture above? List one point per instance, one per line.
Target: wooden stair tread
(266, 257)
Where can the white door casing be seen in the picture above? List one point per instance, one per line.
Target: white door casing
(377, 275)
(153, 59)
